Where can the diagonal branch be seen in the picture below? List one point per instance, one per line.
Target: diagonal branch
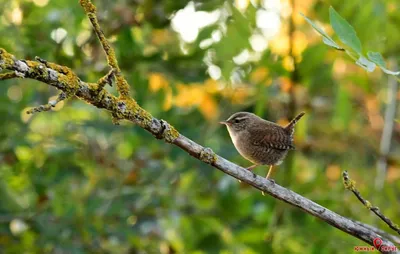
(122, 85)
(128, 109)
(351, 185)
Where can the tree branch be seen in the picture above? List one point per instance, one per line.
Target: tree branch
(351, 185)
(122, 84)
(127, 108)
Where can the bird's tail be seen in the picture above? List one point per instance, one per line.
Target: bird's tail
(290, 127)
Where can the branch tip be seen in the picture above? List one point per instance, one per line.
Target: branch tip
(41, 60)
(46, 107)
(106, 79)
(350, 185)
(88, 6)
(167, 132)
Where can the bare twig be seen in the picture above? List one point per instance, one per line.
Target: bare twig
(122, 85)
(351, 185)
(51, 104)
(393, 238)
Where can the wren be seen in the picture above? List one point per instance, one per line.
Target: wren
(260, 141)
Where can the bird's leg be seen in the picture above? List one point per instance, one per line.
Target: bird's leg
(269, 171)
(267, 177)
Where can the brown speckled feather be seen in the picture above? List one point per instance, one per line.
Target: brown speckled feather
(273, 136)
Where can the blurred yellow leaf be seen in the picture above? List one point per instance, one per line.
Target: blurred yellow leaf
(168, 99)
(300, 43)
(237, 95)
(211, 86)
(280, 44)
(200, 95)
(188, 95)
(161, 37)
(393, 174)
(259, 75)
(209, 108)
(339, 68)
(288, 63)
(157, 81)
(333, 172)
(282, 122)
(286, 84)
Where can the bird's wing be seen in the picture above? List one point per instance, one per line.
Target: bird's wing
(273, 136)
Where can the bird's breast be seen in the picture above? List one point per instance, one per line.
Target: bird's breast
(243, 145)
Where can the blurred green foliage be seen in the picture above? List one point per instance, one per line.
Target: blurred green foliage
(71, 182)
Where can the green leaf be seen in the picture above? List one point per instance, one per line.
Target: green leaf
(377, 58)
(366, 64)
(345, 31)
(326, 38)
(331, 43)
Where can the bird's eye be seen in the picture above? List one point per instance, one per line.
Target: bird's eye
(236, 120)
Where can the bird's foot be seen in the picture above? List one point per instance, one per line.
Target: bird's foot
(272, 181)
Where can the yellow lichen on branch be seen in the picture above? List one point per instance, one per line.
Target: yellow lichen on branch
(122, 84)
(8, 75)
(88, 6)
(6, 59)
(64, 79)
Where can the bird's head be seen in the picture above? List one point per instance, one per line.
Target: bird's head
(240, 121)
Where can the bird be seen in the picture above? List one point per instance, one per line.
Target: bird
(260, 141)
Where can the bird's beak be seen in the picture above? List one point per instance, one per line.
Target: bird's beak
(224, 122)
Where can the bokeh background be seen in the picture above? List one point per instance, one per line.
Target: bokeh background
(72, 182)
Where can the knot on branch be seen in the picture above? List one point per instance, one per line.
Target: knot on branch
(208, 156)
(121, 106)
(21, 68)
(166, 132)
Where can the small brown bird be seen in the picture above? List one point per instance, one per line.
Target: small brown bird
(260, 141)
